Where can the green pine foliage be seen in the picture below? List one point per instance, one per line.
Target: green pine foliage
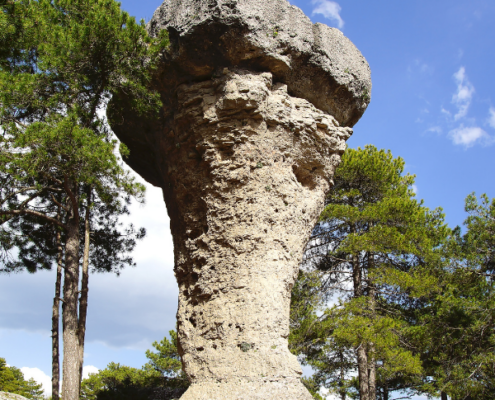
(119, 382)
(413, 301)
(371, 228)
(455, 329)
(166, 361)
(60, 62)
(12, 381)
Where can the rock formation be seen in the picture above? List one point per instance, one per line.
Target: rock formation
(258, 104)
(11, 396)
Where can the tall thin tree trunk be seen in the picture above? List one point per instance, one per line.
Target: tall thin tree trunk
(371, 346)
(362, 358)
(56, 319)
(83, 302)
(362, 361)
(70, 383)
(443, 396)
(385, 392)
(342, 391)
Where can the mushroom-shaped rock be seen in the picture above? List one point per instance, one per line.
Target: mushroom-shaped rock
(258, 104)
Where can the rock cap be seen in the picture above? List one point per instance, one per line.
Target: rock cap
(316, 62)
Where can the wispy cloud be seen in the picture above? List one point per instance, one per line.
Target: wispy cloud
(469, 136)
(330, 10)
(491, 117)
(462, 97)
(446, 112)
(435, 129)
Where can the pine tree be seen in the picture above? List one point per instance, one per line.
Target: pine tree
(166, 361)
(372, 234)
(12, 381)
(60, 62)
(162, 373)
(455, 327)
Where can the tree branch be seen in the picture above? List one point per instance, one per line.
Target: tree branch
(36, 214)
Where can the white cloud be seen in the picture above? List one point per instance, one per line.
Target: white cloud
(469, 136)
(415, 189)
(129, 311)
(465, 90)
(39, 376)
(446, 112)
(330, 10)
(491, 118)
(89, 369)
(423, 67)
(435, 129)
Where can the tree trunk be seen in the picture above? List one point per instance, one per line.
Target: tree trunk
(70, 384)
(443, 396)
(362, 357)
(342, 391)
(83, 302)
(362, 361)
(371, 346)
(55, 321)
(372, 372)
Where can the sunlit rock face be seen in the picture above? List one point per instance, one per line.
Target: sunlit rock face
(258, 104)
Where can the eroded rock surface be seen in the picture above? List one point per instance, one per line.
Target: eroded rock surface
(11, 396)
(244, 153)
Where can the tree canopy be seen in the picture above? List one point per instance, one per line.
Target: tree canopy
(60, 62)
(411, 299)
(12, 381)
(163, 372)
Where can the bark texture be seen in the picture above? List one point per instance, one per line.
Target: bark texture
(70, 382)
(56, 320)
(83, 301)
(258, 104)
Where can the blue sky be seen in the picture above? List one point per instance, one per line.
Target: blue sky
(432, 103)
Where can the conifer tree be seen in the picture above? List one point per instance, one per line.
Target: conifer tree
(371, 228)
(162, 373)
(12, 381)
(166, 361)
(60, 62)
(455, 327)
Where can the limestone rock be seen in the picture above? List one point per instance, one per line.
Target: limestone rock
(318, 63)
(11, 396)
(258, 104)
(165, 393)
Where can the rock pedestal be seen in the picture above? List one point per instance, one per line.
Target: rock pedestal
(244, 153)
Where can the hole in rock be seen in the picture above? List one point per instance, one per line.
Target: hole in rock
(304, 176)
